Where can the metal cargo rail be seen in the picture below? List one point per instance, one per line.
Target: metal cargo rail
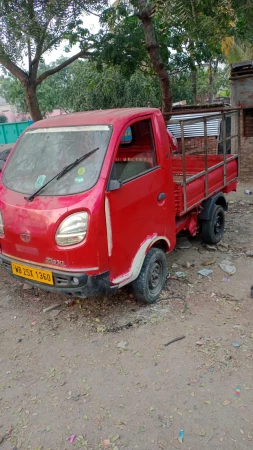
(234, 138)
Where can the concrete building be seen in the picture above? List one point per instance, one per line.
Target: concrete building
(242, 96)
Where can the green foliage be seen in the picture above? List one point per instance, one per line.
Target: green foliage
(82, 87)
(30, 28)
(50, 93)
(3, 118)
(12, 90)
(90, 89)
(221, 84)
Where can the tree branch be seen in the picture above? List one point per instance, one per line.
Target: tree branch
(29, 55)
(61, 66)
(11, 66)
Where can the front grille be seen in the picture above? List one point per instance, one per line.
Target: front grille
(7, 265)
(61, 281)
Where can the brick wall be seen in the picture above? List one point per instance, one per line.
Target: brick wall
(246, 153)
(242, 95)
(195, 145)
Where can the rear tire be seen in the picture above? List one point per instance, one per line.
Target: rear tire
(151, 280)
(213, 229)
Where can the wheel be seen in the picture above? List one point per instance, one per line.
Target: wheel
(212, 229)
(150, 283)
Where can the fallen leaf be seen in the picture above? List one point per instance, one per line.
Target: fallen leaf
(208, 262)
(208, 402)
(18, 410)
(226, 402)
(192, 394)
(85, 417)
(122, 344)
(152, 408)
(106, 442)
(48, 428)
(115, 437)
(202, 432)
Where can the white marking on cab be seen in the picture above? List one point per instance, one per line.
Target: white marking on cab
(138, 260)
(108, 226)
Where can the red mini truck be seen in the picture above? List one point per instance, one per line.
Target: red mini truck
(93, 201)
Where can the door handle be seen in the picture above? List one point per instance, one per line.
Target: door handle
(161, 196)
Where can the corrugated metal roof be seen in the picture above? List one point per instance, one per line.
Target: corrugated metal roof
(195, 129)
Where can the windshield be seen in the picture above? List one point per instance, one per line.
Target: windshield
(41, 153)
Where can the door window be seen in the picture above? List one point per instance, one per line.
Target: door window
(136, 152)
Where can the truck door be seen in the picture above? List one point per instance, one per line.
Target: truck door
(137, 211)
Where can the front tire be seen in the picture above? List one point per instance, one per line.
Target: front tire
(151, 280)
(213, 229)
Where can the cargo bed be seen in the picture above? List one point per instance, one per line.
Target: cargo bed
(201, 178)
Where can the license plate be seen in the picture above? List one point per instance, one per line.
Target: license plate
(41, 276)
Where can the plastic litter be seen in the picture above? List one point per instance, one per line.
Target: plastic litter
(228, 267)
(226, 280)
(237, 391)
(181, 274)
(70, 302)
(248, 192)
(235, 344)
(200, 342)
(181, 436)
(205, 272)
(71, 438)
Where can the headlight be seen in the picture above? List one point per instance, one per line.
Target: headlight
(1, 225)
(72, 230)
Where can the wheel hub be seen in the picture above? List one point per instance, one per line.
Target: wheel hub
(155, 275)
(218, 225)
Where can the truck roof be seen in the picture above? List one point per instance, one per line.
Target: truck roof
(98, 117)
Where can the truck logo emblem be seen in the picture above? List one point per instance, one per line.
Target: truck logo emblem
(25, 236)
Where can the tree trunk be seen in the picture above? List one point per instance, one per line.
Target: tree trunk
(145, 15)
(194, 86)
(211, 80)
(32, 101)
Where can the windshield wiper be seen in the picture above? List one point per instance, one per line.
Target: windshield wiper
(61, 173)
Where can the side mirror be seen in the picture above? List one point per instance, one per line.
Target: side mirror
(114, 185)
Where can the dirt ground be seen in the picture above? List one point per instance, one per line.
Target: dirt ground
(99, 370)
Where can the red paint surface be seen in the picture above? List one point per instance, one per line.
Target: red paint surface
(135, 213)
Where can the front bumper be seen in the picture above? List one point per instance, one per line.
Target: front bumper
(88, 286)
